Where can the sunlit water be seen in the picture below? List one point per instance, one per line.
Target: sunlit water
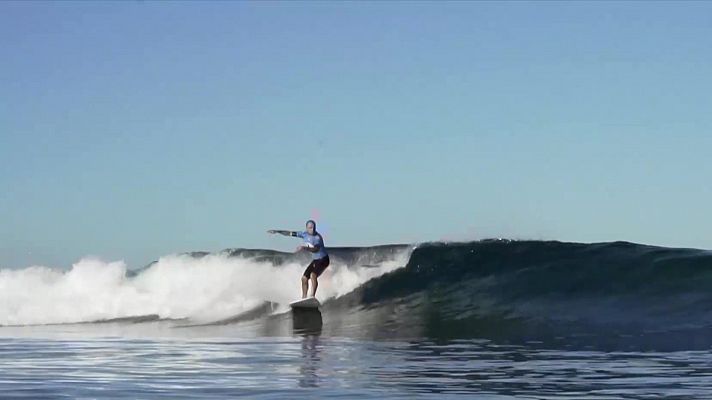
(91, 362)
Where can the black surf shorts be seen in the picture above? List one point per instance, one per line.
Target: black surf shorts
(317, 266)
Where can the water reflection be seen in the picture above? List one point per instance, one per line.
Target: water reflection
(308, 324)
(291, 367)
(311, 361)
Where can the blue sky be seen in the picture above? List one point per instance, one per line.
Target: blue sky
(130, 130)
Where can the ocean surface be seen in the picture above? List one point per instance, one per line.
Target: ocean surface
(492, 319)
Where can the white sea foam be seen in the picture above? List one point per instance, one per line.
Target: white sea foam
(177, 286)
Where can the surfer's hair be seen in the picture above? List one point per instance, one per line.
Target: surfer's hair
(313, 223)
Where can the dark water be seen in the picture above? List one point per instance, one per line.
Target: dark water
(490, 319)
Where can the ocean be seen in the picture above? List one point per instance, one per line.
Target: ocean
(491, 319)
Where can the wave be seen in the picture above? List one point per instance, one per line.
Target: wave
(536, 288)
(198, 286)
(492, 288)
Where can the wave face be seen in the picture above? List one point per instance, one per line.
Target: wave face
(197, 286)
(534, 289)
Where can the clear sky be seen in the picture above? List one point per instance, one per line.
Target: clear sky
(130, 130)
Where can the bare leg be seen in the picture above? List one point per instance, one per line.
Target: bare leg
(314, 283)
(305, 286)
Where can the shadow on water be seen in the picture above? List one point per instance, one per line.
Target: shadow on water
(306, 322)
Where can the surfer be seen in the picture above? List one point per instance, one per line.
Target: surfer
(313, 243)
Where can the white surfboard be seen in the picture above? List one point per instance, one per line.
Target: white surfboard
(309, 302)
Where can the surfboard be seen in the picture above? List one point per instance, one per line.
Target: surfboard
(309, 302)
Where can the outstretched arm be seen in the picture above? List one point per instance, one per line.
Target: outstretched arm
(282, 232)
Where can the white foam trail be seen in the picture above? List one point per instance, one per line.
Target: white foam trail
(212, 287)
